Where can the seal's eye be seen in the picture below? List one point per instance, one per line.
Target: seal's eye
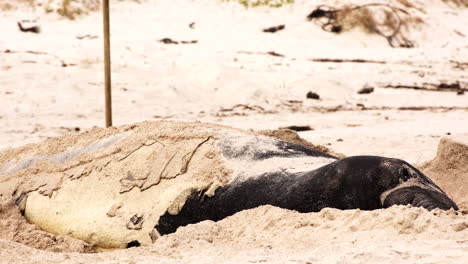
(404, 174)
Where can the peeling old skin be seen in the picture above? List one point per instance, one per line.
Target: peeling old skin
(100, 186)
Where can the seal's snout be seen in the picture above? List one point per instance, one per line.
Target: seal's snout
(419, 197)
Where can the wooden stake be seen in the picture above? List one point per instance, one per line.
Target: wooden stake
(107, 63)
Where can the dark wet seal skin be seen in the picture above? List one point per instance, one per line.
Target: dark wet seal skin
(350, 183)
(133, 243)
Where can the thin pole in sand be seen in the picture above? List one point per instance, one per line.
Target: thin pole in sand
(107, 62)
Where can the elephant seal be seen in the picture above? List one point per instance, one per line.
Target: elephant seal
(124, 186)
(358, 182)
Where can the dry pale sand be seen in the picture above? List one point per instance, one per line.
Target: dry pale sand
(51, 85)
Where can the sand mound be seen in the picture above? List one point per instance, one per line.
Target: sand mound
(14, 227)
(449, 169)
(271, 230)
(269, 234)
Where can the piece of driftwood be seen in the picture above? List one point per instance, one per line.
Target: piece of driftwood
(276, 54)
(87, 36)
(34, 52)
(243, 107)
(176, 42)
(361, 107)
(366, 90)
(29, 26)
(324, 60)
(312, 95)
(334, 60)
(298, 128)
(271, 53)
(274, 29)
(434, 87)
(459, 65)
(328, 17)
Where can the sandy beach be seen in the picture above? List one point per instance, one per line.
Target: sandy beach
(210, 61)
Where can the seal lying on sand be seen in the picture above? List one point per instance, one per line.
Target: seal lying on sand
(364, 182)
(125, 186)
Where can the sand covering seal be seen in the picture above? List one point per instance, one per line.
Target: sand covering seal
(108, 187)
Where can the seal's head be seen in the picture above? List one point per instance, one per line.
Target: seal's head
(414, 188)
(386, 182)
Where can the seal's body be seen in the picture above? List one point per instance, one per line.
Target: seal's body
(364, 182)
